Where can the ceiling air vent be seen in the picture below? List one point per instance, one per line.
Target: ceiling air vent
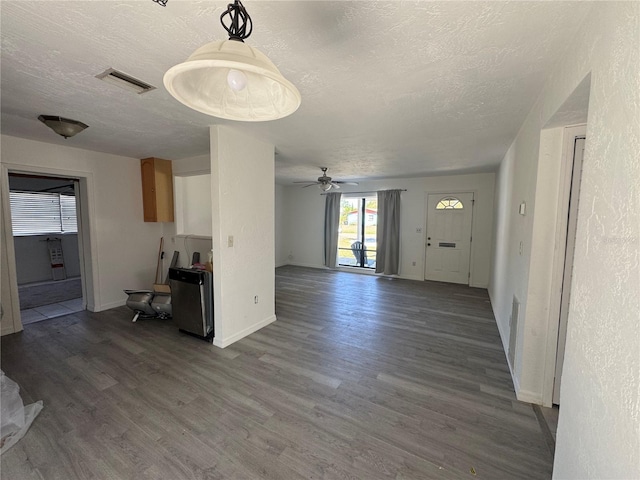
(122, 80)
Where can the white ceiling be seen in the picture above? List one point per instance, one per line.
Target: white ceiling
(389, 89)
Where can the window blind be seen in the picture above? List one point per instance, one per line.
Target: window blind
(68, 212)
(42, 213)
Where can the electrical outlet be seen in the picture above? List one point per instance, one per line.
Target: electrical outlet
(230, 241)
(418, 230)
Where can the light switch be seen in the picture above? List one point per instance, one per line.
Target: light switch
(523, 208)
(230, 241)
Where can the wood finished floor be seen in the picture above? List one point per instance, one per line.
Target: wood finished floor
(360, 377)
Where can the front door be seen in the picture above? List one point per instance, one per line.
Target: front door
(448, 246)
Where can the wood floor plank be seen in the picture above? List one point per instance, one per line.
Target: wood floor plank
(360, 377)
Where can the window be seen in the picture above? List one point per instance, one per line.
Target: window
(357, 232)
(41, 213)
(449, 203)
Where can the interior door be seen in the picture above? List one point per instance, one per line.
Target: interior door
(578, 154)
(448, 247)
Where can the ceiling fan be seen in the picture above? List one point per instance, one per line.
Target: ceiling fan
(326, 183)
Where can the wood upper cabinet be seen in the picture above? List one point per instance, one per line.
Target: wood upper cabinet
(157, 189)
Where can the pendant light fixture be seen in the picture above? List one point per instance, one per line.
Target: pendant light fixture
(229, 79)
(65, 127)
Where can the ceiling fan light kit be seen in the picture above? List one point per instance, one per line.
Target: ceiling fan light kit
(231, 80)
(326, 183)
(65, 127)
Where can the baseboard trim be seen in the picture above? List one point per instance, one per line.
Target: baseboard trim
(529, 397)
(8, 331)
(307, 265)
(524, 395)
(410, 277)
(225, 342)
(106, 306)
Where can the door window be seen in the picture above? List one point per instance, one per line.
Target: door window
(449, 203)
(357, 232)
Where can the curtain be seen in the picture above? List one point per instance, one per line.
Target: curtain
(388, 236)
(331, 221)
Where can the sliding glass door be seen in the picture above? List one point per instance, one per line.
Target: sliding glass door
(357, 232)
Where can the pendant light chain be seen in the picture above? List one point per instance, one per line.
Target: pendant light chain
(240, 19)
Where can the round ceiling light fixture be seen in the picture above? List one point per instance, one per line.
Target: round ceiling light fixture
(65, 127)
(231, 80)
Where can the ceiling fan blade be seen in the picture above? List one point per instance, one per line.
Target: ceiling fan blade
(307, 181)
(326, 182)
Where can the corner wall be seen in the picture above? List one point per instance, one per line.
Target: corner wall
(243, 196)
(599, 426)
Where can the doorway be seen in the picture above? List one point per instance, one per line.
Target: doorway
(448, 246)
(45, 229)
(576, 143)
(357, 232)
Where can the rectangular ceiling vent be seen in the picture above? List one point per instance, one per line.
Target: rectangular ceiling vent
(122, 80)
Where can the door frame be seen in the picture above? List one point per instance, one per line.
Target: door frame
(86, 235)
(10, 310)
(425, 212)
(562, 221)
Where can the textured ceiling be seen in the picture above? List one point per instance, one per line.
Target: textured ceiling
(389, 89)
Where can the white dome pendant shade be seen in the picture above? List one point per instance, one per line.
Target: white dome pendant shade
(209, 82)
(229, 79)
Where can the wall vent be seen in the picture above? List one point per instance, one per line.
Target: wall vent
(122, 80)
(513, 332)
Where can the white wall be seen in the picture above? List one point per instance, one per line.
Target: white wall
(523, 240)
(243, 208)
(191, 171)
(599, 425)
(193, 204)
(125, 247)
(280, 226)
(32, 257)
(302, 237)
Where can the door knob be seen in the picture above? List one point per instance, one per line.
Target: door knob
(428, 238)
(428, 244)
